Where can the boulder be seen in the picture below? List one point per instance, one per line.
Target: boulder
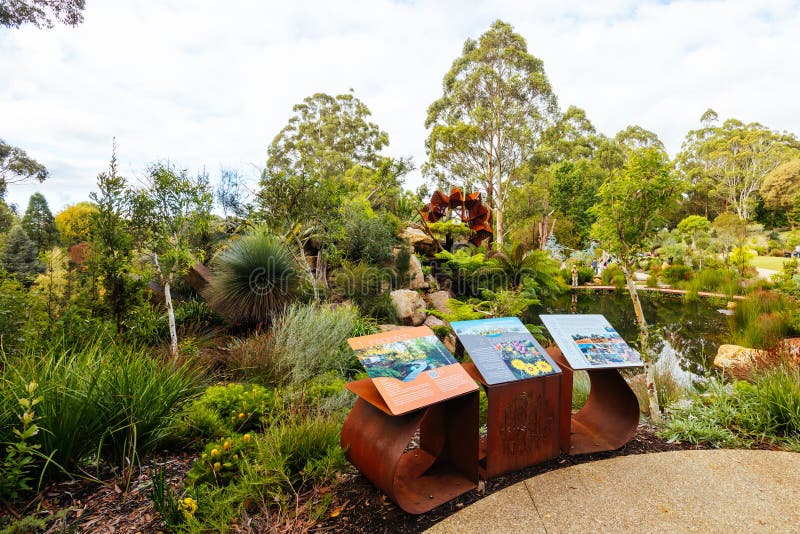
(438, 300)
(409, 305)
(419, 240)
(415, 275)
(737, 361)
(432, 322)
(640, 276)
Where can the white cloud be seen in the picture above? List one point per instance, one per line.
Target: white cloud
(209, 84)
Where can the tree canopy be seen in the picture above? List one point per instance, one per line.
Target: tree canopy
(39, 224)
(16, 166)
(41, 13)
(496, 103)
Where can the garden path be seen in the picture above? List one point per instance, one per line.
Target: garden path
(680, 491)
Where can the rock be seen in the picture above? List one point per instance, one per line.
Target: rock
(415, 275)
(409, 305)
(737, 361)
(432, 322)
(641, 277)
(438, 300)
(419, 240)
(449, 343)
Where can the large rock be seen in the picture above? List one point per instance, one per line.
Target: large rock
(433, 322)
(737, 361)
(409, 305)
(415, 275)
(419, 240)
(438, 300)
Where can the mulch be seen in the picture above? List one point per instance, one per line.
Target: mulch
(112, 506)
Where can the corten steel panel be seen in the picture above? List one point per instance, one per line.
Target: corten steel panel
(522, 426)
(443, 467)
(610, 416)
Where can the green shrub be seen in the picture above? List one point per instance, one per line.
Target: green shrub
(674, 274)
(712, 280)
(254, 279)
(580, 389)
(585, 275)
(369, 239)
(763, 319)
(613, 275)
(222, 410)
(22, 315)
(306, 340)
(766, 410)
(221, 461)
(367, 286)
(20, 454)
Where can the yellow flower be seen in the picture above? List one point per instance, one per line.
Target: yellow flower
(246, 438)
(544, 366)
(241, 415)
(217, 466)
(188, 506)
(214, 452)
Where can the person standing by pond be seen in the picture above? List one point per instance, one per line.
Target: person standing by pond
(574, 275)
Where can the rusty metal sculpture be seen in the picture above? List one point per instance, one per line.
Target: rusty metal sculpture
(476, 215)
(609, 418)
(418, 479)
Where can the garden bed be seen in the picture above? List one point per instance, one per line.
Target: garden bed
(357, 506)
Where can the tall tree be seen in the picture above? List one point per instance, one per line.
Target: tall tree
(19, 256)
(39, 224)
(496, 103)
(111, 243)
(16, 166)
(781, 186)
(632, 203)
(168, 210)
(307, 161)
(734, 158)
(41, 13)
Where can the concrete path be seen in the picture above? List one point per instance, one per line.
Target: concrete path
(714, 491)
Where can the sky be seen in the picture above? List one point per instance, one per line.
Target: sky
(207, 84)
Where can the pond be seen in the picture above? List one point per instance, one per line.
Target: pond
(684, 334)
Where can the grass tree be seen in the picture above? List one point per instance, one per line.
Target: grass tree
(631, 206)
(254, 278)
(168, 210)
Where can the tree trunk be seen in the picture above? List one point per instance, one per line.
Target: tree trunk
(499, 223)
(644, 341)
(173, 333)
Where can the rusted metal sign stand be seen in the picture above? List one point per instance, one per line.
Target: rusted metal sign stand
(609, 418)
(522, 423)
(418, 479)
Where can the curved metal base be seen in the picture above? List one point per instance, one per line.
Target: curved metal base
(442, 467)
(609, 418)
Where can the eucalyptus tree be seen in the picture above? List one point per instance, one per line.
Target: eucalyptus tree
(733, 159)
(307, 161)
(496, 103)
(16, 166)
(632, 203)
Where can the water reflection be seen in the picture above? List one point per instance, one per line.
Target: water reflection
(685, 335)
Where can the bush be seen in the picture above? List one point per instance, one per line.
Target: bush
(711, 280)
(369, 239)
(101, 402)
(22, 315)
(367, 286)
(763, 319)
(254, 279)
(221, 461)
(306, 340)
(222, 410)
(613, 275)
(674, 274)
(585, 275)
(766, 410)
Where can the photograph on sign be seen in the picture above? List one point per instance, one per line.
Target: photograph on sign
(411, 368)
(503, 350)
(590, 342)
